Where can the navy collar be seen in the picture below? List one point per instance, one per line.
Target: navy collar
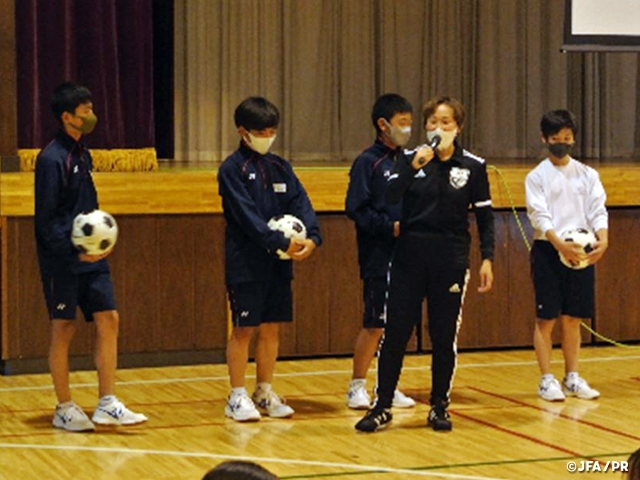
(384, 148)
(68, 141)
(456, 158)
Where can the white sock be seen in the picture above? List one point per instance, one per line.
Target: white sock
(66, 405)
(236, 392)
(358, 382)
(547, 377)
(107, 399)
(572, 377)
(263, 387)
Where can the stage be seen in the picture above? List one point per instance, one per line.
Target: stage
(168, 269)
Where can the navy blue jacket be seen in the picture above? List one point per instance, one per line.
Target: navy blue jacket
(366, 205)
(436, 200)
(255, 188)
(63, 189)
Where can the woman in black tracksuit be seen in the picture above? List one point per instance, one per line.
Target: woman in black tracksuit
(436, 184)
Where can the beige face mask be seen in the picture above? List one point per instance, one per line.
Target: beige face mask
(446, 137)
(260, 145)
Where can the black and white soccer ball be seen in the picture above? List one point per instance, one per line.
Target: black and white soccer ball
(291, 227)
(94, 233)
(583, 237)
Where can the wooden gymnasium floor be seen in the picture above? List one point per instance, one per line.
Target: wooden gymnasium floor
(501, 429)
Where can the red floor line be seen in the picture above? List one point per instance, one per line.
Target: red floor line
(510, 432)
(535, 407)
(517, 434)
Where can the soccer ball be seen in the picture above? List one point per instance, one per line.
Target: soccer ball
(291, 226)
(582, 237)
(94, 233)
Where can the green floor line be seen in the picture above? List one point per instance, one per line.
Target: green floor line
(457, 465)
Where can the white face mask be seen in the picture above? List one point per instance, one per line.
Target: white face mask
(398, 135)
(446, 137)
(260, 145)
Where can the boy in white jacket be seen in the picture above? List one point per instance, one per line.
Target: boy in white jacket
(563, 194)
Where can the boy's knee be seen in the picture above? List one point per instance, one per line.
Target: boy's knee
(63, 328)
(108, 320)
(269, 330)
(242, 334)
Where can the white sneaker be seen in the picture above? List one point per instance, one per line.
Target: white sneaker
(357, 396)
(400, 400)
(272, 404)
(71, 417)
(115, 413)
(241, 409)
(579, 388)
(550, 390)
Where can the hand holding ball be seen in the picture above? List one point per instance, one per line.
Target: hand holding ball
(292, 227)
(582, 237)
(94, 233)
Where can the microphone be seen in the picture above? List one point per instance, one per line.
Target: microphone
(435, 141)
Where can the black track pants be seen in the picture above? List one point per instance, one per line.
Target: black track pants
(423, 266)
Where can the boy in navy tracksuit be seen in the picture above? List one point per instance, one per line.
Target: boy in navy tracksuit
(63, 189)
(377, 226)
(256, 186)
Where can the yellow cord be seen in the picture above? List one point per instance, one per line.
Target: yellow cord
(528, 244)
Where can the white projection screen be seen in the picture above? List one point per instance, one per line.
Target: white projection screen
(602, 25)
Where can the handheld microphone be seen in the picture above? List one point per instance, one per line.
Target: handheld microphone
(435, 141)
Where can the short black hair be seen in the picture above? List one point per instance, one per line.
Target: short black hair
(387, 106)
(239, 470)
(256, 113)
(67, 97)
(555, 120)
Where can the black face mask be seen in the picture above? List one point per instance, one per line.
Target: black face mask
(559, 150)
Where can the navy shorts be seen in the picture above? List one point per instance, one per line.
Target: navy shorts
(64, 292)
(253, 303)
(560, 290)
(374, 296)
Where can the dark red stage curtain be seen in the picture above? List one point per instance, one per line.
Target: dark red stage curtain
(106, 45)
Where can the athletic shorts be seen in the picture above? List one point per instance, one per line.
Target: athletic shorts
(374, 296)
(560, 290)
(64, 292)
(253, 303)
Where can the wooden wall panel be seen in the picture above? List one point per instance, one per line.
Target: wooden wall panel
(168, 272)
(618, 280)
(518, 326)
(176, 294)
(484, 315)
(135, 268)
(210, 294)
(345, 286)
(4, 289)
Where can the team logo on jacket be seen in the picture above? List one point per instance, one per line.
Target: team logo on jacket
(458, 177)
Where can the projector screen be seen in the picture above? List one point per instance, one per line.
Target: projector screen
(602, 25)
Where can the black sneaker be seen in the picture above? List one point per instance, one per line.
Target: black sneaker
(375, 419)
(439, 419)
